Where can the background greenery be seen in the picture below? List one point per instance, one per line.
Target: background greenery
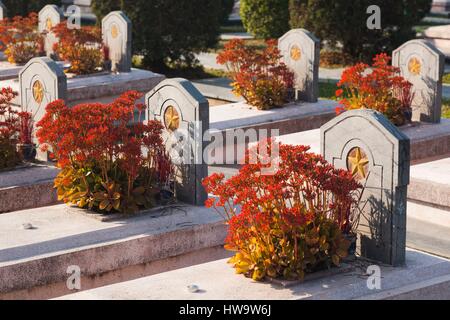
(265, 18)
(169, 32)
(23, 7)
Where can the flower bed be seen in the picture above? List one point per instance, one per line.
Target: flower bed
(82, 47)
(294, 221)
(20, 39)
(258, 76)
(381, 89)
(15, 132)
(110, 162)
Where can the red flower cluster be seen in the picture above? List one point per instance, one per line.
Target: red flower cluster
(275, 213)
(81, 47)
(20, 39)
(111, 141)
(259, 77)
(379, 87)
(15, 127)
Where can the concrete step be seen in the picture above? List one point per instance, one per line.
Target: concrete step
(423, 277)
(34, 259)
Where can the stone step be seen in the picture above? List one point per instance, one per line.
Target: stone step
(28, 186)
(34, 259)
(37, 246)
(424, 276)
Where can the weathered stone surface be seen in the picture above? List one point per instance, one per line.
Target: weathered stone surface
(439, 36)
(422, 64)
(184, 113)
(117, 35)
(301, 53)
(40, 257)
(49, 17)
(378, 153)
(423, 277)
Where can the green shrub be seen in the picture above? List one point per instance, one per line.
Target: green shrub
(24, 7)
(345, 22)
(168, 31)
(265, 18)
(9, 157)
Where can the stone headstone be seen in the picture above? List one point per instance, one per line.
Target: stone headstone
(378, 154)
(117, 35)
(422, 65)
(2, 11)
(41, 81)
(49, 17)
(301, 53)
(184, 113)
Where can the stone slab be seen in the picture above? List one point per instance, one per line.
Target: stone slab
(93, 87)
(29, 186)
(10, 71)
(217, 280)
(293, 117)
(40, 256)
(430, 183)
(427, 140)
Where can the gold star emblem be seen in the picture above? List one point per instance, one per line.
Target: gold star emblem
(296, 53)
(414, 66)
(49, 24)
(114, 31)
(171, 118)
(358, 163)
(38, 91)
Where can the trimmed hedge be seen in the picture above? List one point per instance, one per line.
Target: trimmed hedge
(168, 31)
(265, 18)
(345, 22)
(24, 7)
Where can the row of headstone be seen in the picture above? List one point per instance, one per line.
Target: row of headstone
(419, 61)
(116, 34)
(362, 141)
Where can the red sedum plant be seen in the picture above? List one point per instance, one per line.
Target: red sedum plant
(381, 88)
(291, 222)
(9, 128)
(259, 77)
(81, 47)
(110, 162)
(20, 39)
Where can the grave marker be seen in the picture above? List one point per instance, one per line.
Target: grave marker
(422, 64)
(184, 113)
(117, 35)
(41, 81)
(49, 17)
(378, 153)
(301, 53)
(2, 11)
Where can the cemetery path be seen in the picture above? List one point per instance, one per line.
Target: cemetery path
(428, 228)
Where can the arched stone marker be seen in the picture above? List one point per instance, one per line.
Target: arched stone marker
(49, 17)
(422, 64)
(117, 35)
(378, 153)
(41, 81)
(301, 53)
(184, 113)
(2, 11)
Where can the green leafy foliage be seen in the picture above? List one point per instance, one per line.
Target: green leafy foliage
(265, 18)
(168, 31)
(24, 7)
(345, 22)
